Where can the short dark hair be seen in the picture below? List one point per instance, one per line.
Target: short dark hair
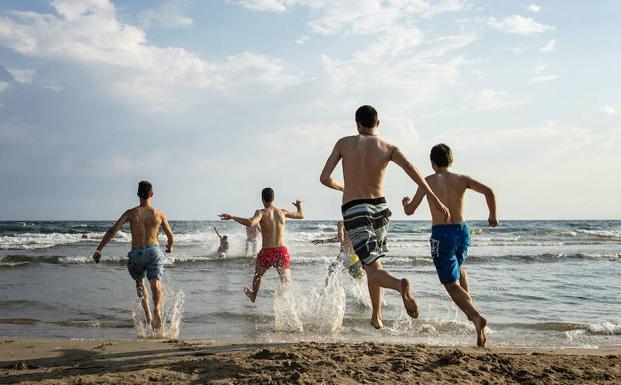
(267, 194)
(367, 116)
(145, 188)
(225, 237)
(441, 155)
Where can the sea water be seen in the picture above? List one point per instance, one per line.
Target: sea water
(539, 283)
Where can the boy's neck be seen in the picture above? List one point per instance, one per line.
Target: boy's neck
(367, 130)
(268, 205)
(442, 170)
(145, 202)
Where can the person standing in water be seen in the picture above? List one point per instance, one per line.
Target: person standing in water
(347, 257)
(145, 256)
(224, 244)
(365, 212)
(273, 252)
(449, 242)
(251, 239)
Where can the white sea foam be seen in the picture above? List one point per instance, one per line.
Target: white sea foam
(172, 315)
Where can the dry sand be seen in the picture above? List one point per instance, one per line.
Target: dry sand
(27, 361)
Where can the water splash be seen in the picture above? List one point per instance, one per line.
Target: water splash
(321, 311)
(172, 315)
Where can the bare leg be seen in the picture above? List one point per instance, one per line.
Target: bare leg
(285, 275)
(141, 291)
(158, 299)
(378, 278)
(256, 283)
(464, 302)
(463, 280)
(246, 249)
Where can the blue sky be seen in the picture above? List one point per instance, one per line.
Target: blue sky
(213, 100)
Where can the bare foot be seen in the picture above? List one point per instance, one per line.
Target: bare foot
(376, 322)
(408, 301)
(250, 294)
(479, 325)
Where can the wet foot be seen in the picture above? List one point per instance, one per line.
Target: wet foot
(250, 294)
(408, 301)
(479, 325)
(377, 323)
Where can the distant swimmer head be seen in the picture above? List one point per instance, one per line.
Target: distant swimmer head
(366, 118)
(267, 195)
(441, 156)
(145, 189)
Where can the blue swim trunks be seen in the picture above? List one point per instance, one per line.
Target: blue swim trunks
(145, 259)
(449, 248)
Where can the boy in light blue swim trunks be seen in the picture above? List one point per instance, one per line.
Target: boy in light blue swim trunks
(145, 258)
(450, 241)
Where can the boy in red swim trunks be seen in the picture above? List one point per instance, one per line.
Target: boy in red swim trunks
(273, 250)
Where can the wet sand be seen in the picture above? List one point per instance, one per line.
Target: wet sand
(26, 361)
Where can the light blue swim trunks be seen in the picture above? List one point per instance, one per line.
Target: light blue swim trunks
(145, 259)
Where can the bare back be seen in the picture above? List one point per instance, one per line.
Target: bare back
(272, 227)
(144, 223)
(450, 189)
(364, 158)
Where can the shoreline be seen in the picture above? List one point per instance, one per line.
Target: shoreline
(24, 360)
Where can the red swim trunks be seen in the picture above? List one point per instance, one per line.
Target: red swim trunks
(274, 257)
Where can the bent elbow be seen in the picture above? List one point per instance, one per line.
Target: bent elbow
(324, 180)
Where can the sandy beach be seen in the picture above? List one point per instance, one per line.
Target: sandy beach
(26, 361)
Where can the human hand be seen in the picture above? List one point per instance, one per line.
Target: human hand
(224, 217)
(492, 221)
(298, 204)
(446, 211)
(169, 249)
(316, 241)
(405, 201)
(97, 256)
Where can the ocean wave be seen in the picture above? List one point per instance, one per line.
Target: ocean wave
(572, 329)
(30, 241)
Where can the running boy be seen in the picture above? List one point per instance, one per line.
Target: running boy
(145, 257)
(449, 242)
(273, 252)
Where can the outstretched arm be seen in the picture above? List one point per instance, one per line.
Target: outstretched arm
(299, 214)
(328, 240)
(169, 234)
(326, 173)
(409, 206)
(252, 221)
(490, 198)
(110, 234)
(401, 160)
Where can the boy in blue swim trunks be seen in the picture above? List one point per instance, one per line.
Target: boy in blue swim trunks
(449, 242)
(145, 258)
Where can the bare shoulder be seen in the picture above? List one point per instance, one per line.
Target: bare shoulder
(346, 140)
(430, 178)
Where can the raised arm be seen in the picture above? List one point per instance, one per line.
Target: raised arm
(110, 234)
(217, 233)
(326, 173)
(327, 240)
(490, 198)
(252, 221)
(169, 234)
(299, 214)
(410, 206)
(401, 160)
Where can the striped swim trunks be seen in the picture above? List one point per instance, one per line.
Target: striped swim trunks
(366, 222)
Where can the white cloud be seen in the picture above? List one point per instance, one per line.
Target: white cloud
(302, 40)
(534, 8)
(169, 14)
(519, 25)
(22, 75)
(549, 47)
(542, 79)
(89, 32)
(609, 110)
(262, 5)
(539, 69)
(3, 85)
(488, 100)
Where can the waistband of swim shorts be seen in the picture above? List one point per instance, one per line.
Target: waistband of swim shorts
(454, 226)
(369, 201)
(145, 247)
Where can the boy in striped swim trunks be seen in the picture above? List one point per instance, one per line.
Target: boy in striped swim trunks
(365, 212)
(450, 241)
